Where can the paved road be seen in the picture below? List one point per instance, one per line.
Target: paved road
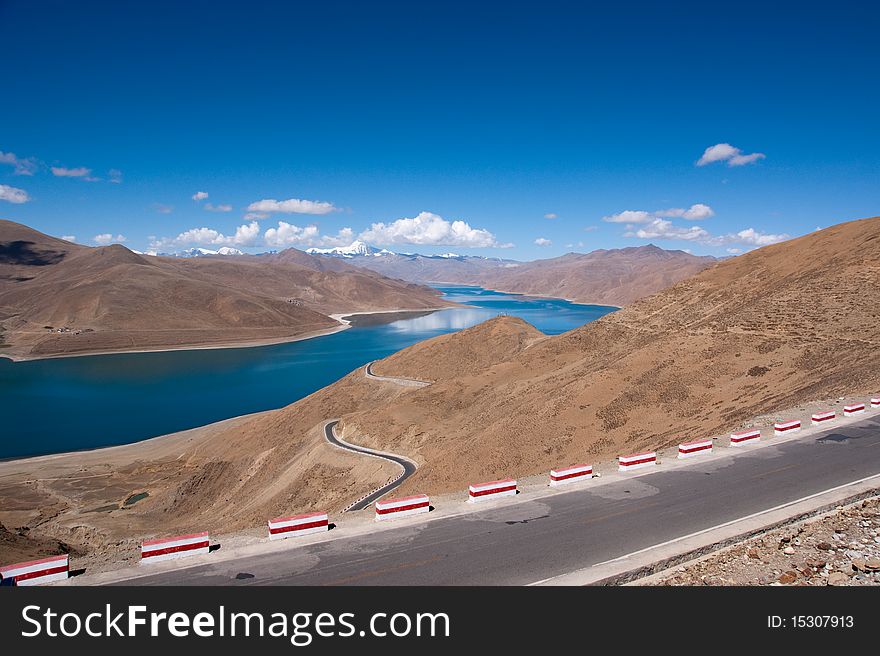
(408, 466)
(519, 543)
(404, 382)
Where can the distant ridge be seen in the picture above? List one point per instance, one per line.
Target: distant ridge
(613, 277)
(61, 298)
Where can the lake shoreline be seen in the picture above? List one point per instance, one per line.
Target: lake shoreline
(508, 291)
(338, 317)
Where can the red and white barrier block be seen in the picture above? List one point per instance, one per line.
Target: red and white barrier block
(37, 572)
(491, 490)
(822, 418)
(875, 402)
(691, 449)
(786, 427)
(152, 551)
(636, 461)
(854, 409)
(745, 437)
(285, 527)
(573, 474)
(403, 507)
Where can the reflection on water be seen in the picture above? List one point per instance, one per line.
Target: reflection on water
(443, 321)
(66, 404)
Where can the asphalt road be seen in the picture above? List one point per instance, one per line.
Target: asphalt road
(408, 467)
(520, 543)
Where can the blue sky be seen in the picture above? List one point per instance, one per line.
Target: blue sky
(438, 126)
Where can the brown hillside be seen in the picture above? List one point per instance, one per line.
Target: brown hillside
(609, 277)
(109, 298)
(751, 336)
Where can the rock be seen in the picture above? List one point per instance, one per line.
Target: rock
(788, 577)
(872, 564)
(858, 565)
(824, 546)
(788, 551)
(817, 563)
(837, 578)
(754, 553)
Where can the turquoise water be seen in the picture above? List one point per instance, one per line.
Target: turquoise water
(67, 404)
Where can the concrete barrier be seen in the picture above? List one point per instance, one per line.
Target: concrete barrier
(403, 507)
(745, 437)
(854, 409)
(786, 427)
(285, 527)
(636, 461)
(37, 572)
(691, 449)
(822, 417)
(153, 551)
(491, 490)
(875, 402)
(573, 474)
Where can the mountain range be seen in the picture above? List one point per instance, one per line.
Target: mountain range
(61, 298)
(755, 335)
(608, 277)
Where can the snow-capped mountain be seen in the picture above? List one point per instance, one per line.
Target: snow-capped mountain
(199, 252)
(355, 249)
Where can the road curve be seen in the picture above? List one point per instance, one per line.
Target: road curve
(408, 466)
(517, 543)
(404, 382)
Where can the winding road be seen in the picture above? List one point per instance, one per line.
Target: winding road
(409, 467)
(531, 539)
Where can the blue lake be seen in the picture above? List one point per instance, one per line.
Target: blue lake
(67, 404)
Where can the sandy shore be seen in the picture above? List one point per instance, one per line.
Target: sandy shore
(195, 347)
(339, 317)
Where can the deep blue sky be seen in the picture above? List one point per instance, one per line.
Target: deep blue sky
(495, 115)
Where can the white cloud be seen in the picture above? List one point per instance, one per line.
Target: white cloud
(245, 235)
(218, 208)
(13, 194)
(664, 229)
(200, 195)
(734, 251)
(287, 234)
(695, 212)
(78, 172)
(541, 241)
(69, 238)
(752, 237)
(26, 166)
(115, 176)
(255, 216)
(292, 206)
(629, 216)
(163, 209)
(724, 152)
(550, 215)
(107, 238)
(430, 229)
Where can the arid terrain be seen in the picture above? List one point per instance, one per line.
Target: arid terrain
(60, 298)
(840, 548)
(768, 330)
(605, 277)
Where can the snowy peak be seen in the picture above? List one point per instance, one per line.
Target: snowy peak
(198, 252)
(356, 248)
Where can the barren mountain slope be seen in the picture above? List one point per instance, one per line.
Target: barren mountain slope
(610, 277)
(752, 335)
(110, 298)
